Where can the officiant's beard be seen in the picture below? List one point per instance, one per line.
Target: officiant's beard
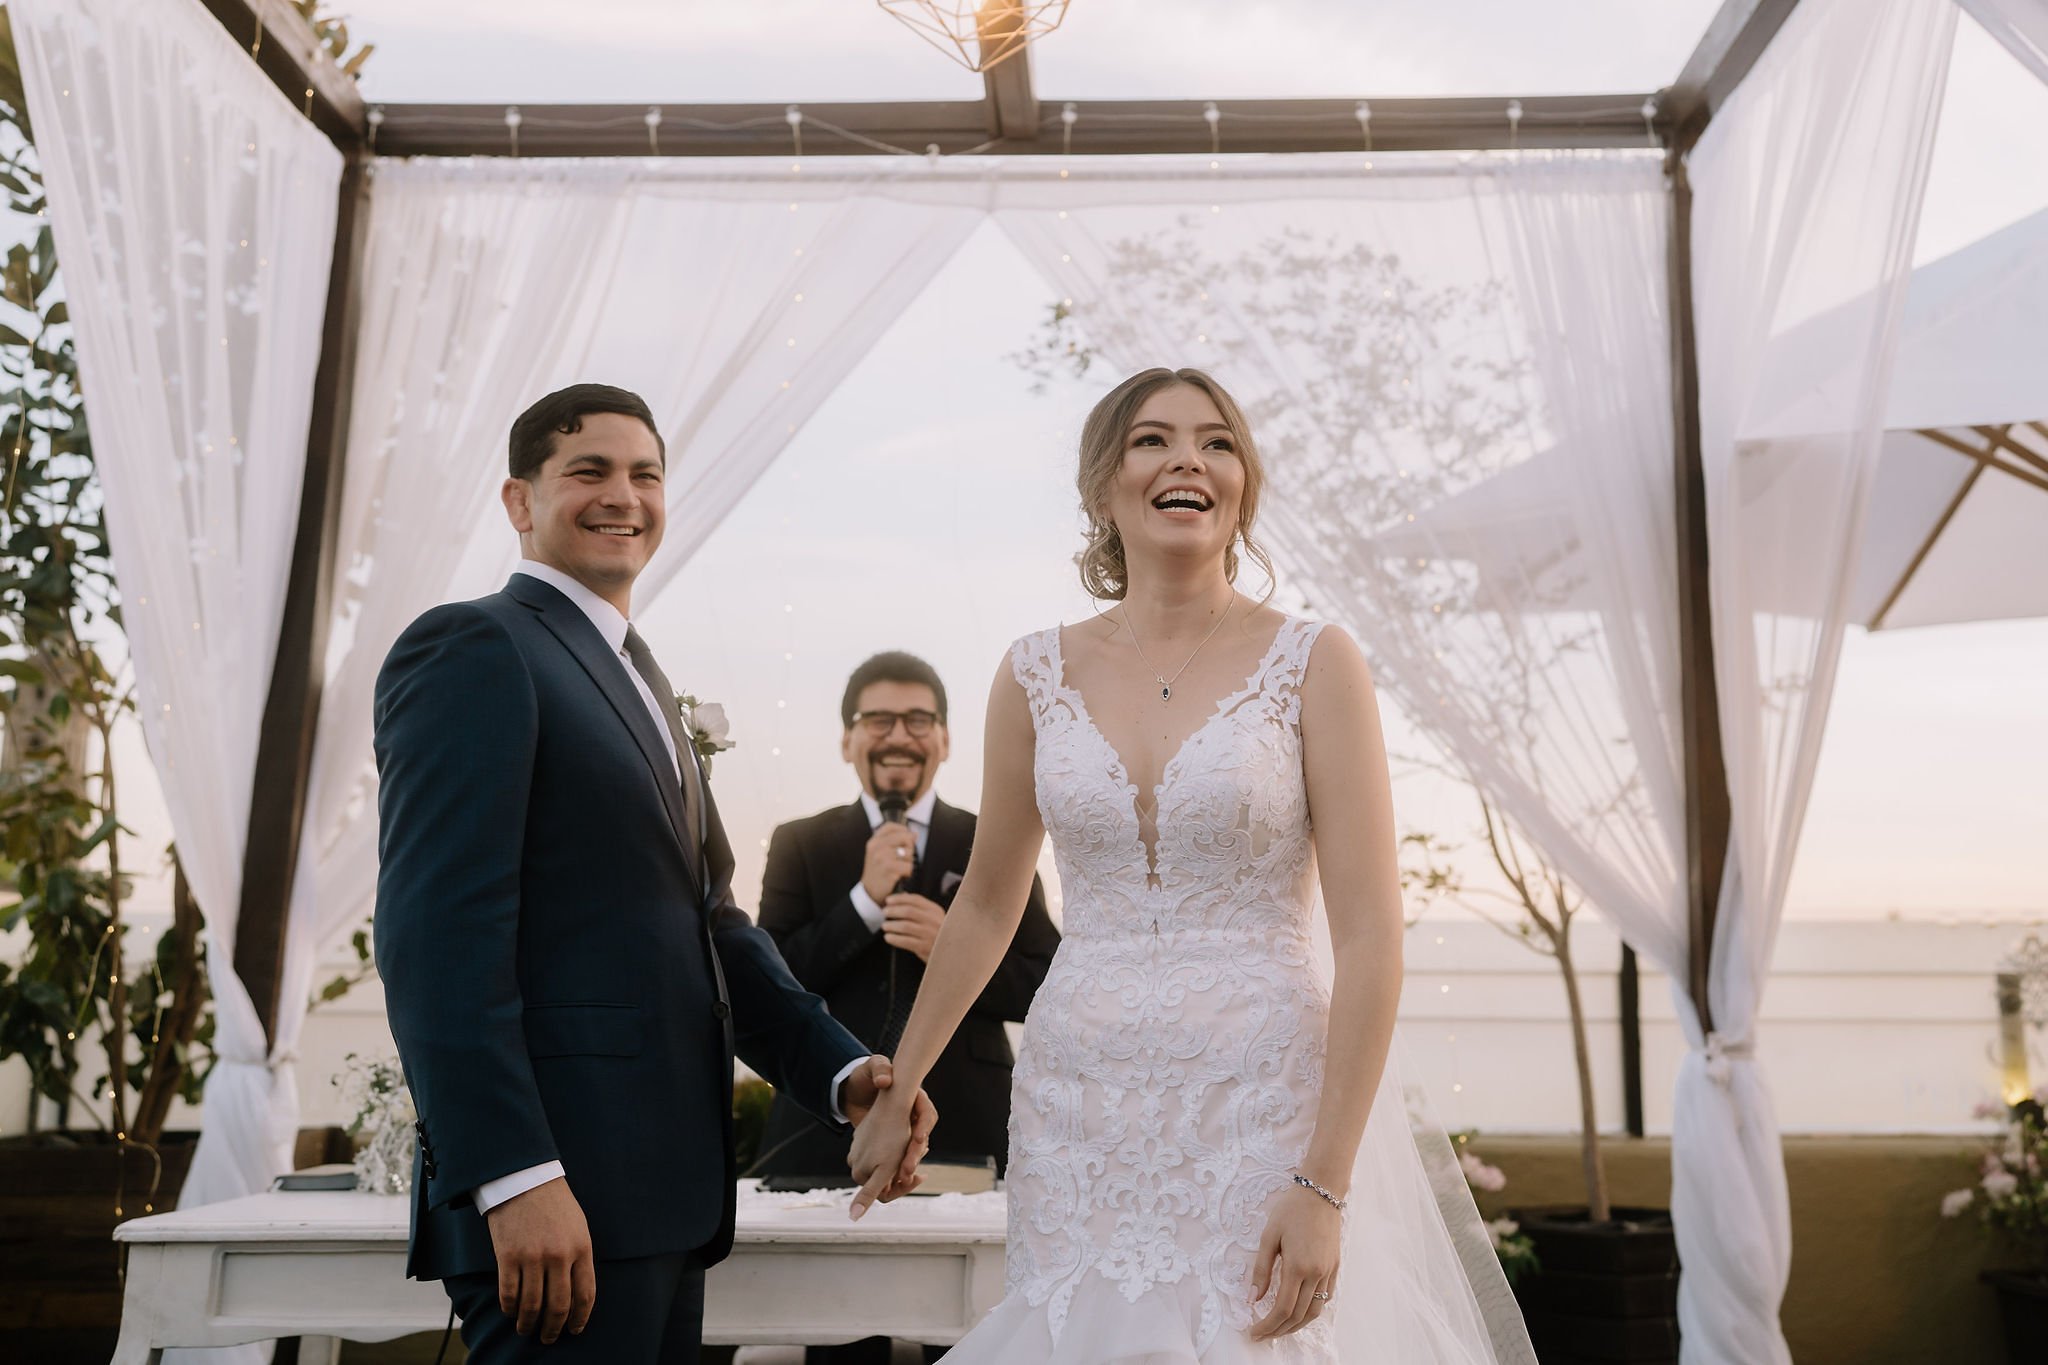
(909, 781)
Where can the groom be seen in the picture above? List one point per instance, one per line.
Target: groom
(566, 973)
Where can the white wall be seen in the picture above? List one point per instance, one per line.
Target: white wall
(1869, 1026)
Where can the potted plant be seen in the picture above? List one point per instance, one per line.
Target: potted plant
(1604, 1285)
(1516, 1249)
(113, 1030)
(67, 998)
(2010, 1197)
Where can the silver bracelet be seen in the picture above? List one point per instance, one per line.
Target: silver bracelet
(1308, 1184)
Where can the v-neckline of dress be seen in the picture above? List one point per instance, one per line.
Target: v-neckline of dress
(1149, 853)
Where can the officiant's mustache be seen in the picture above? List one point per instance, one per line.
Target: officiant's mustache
(880, 757)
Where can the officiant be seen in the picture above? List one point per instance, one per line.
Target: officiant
(854, 897)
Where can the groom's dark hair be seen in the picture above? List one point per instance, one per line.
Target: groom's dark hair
(562, 413)
(891, 666)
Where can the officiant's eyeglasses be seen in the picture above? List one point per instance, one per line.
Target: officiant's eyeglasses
(881, 723)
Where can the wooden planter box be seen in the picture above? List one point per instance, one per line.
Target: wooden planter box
(2023, 1307)
(60, 1271)
(1607, 1293)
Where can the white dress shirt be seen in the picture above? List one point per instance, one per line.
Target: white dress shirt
(612, 625)
(919, 818)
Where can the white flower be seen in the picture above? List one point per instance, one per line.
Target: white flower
(1484, 1177)
(1500, 1229)
(1999, 1184)
(1955, 1201)
(708, 720)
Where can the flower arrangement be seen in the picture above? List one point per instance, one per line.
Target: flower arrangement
(708, 727)
(1517, 1251)
(2011, 1191)
(383, 1125)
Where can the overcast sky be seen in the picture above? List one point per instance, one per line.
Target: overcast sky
(929, 504)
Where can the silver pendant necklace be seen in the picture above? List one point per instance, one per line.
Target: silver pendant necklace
(1166, 684)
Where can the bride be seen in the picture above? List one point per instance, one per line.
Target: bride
(1211, 1157)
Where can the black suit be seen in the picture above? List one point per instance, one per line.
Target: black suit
(807, 907)
(566, 974)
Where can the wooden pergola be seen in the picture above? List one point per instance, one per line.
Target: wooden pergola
(1010, 120)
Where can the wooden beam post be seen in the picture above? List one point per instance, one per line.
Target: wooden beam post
(1106, 127)
(1631, 1043)
(1012, 106)
(291, 55)
(284, 752)
(1735, 37)
(1707, 812)
(1734, 41)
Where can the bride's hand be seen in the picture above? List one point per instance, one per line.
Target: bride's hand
(887, 1146)
(1304, 1235)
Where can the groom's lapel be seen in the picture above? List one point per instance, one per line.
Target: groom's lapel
(567, 623)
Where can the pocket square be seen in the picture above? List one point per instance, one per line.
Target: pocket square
(948, 882)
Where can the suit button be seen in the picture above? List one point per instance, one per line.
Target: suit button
(720, 1010)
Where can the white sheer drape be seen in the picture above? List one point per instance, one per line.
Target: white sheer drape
(1456, 367)
(2022, 25)
(194, 213)
(1807, 194)
(733, 296)
(1408, 333)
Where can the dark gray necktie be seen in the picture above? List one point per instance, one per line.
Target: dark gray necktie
(665, 698)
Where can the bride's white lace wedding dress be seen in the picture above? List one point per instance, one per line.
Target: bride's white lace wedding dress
(1172, 1065)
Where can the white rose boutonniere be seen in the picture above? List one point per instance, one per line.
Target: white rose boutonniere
(707, 726)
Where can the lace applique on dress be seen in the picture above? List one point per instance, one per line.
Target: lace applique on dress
(1172, 1061)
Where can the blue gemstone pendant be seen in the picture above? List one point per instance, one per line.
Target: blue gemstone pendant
(1165, 694)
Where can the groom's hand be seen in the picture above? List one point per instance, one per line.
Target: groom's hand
(863, 1087)
(546, 1274)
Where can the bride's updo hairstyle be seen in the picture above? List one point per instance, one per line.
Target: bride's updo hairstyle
(1103, 435)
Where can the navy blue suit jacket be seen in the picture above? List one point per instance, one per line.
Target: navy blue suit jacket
(564, 968)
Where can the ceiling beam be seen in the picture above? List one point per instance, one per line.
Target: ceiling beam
(1012, 103)
(1102, 127)
(291, 55)
(1736, 37)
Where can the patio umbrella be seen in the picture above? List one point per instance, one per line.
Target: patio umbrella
(1958, 523)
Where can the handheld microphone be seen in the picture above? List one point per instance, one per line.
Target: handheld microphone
(895, 806)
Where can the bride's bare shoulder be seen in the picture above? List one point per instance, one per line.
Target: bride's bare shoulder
(1262, 620)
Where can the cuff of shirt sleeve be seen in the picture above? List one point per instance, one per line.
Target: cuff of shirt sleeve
(838, 1112)
(492, 1193)
(864, 906)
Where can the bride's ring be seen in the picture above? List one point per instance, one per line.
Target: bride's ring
(903, 853)
(1321, 1295)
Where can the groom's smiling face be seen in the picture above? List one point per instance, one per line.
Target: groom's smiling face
(594, 510)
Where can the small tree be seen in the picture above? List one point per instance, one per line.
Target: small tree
(1546, 905)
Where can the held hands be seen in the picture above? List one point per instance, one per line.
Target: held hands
(887, 1145)
(546, 1275)
(865, 1087)
(1304, 1236)
(891, 856)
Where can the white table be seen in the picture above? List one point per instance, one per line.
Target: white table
(328, 1267)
